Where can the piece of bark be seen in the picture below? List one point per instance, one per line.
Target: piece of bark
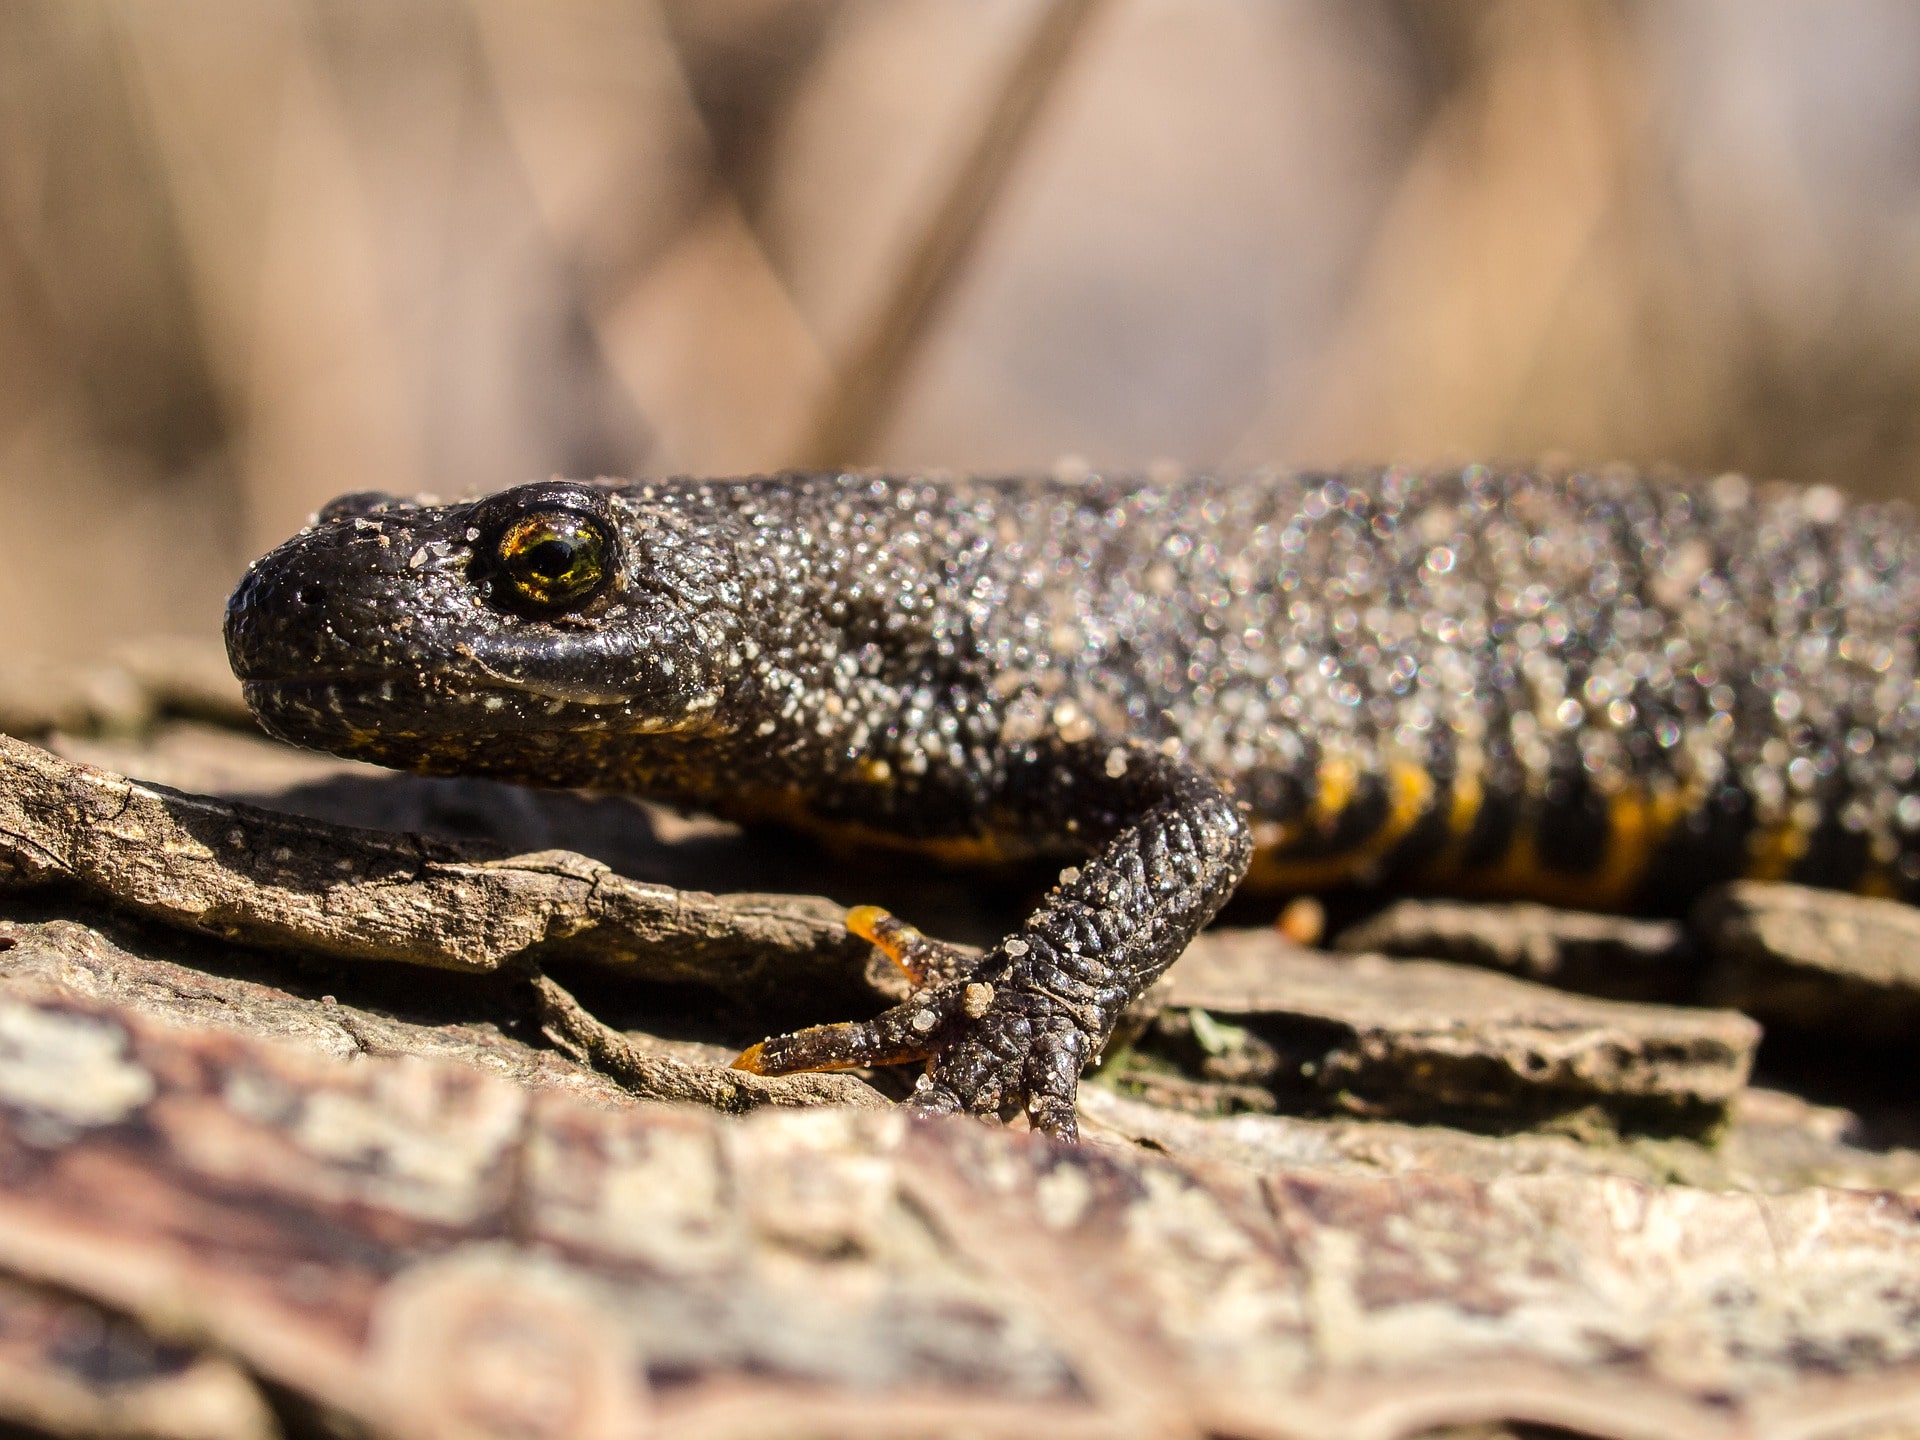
(655, 1076)
(425, 1249)
(71, 1369)
(592, 1061)
(1264, 1142)
(1616, 957)
(79, 961)
(1773, 1143)
(265, 878)
(213, 760)
(1779, 1141)
(631, 836)
(1814, 960)
(1410, 1039)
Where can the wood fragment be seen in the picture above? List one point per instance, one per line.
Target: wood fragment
(1618, 957)
(1814, 961)
(578, 1033)
(393, 1243)
(1412, 1039)
(70, 1368)
(259, 877)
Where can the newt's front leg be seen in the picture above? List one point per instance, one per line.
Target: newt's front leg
(1012, 1031)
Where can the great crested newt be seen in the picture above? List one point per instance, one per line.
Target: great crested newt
(1588, 686)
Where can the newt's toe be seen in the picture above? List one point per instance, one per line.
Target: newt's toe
(922, 960)
(873, 924)
(1054, 1115)
(913, 1031)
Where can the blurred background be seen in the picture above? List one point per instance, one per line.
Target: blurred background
(255, 254)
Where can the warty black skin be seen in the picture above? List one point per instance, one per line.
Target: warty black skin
(1591, 687)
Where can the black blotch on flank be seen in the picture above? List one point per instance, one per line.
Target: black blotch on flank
(1427, 840)
(1574, 825)
(1274, 794)
(1836, 857)
(1361, 819)
(1493, 830)
(1706, 848)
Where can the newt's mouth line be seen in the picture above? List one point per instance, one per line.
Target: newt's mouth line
(383, 687)
(490, 680)
(348, 693)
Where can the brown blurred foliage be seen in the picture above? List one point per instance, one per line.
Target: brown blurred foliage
(257, 252)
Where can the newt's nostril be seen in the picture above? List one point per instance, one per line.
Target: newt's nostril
(311, 594)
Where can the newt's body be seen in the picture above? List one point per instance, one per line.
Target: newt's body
(1593, 688)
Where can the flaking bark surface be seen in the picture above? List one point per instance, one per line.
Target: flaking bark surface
(261, 877)
(368, 1135)
(1418, 1038)
(421, 1247)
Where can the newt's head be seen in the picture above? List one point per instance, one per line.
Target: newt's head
(501, 635)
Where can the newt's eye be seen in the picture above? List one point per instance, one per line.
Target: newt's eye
(554, 558)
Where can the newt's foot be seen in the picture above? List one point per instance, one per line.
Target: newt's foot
(991, 1049)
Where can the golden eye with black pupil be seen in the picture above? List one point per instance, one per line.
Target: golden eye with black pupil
(553, 558)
